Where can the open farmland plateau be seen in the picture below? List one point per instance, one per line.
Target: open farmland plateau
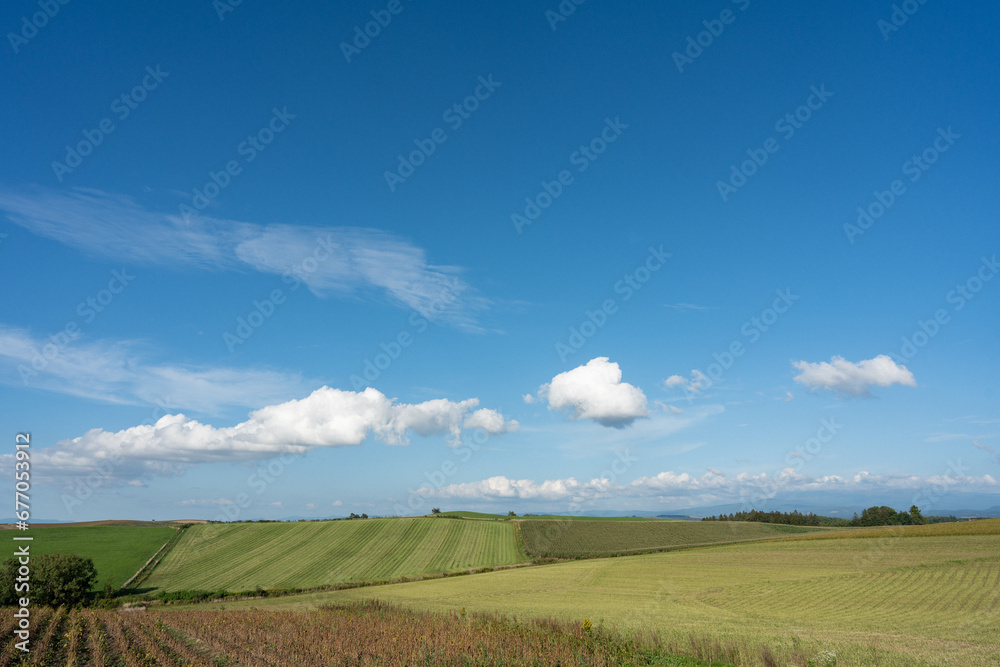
(887, 599)
(726, 593)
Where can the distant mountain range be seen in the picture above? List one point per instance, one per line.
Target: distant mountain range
(983, 505)
(823, 510)
(843, 512)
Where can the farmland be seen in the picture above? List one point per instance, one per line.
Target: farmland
(886, 600)
(576, 539)
(365, 634)
(738, 593)
(459, 514)
(981, 527)
(118, 551)
(243, 556)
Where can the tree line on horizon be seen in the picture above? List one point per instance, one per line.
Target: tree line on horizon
(877, 515)
(795, 518)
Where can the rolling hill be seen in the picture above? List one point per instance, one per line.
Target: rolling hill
(242, 556)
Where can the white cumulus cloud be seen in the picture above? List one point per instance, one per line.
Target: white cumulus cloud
(501, 487)
(596, 391)
(490, 421)
(692, 386)
(326, 418)
(674, 381)
(848, 377)
(682, 489)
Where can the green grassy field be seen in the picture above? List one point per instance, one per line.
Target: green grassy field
(888, 600)
(575, 539)
(309, 554)
(559, 517)
(977, 527)
(118, 551)
(243, 556)
(461, 514)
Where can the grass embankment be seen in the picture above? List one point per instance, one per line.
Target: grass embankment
(243, 556)
(933, 599)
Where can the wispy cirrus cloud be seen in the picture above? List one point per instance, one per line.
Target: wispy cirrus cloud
(113, 226)
(118, 371)
(336, 260)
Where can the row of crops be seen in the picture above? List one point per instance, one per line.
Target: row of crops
(581, 539)
(312, 554)
(366, 634)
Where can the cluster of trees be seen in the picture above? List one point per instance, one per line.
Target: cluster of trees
(791, 518)
(873, 516)
(358, 516)
(52, 580)
(886, 516)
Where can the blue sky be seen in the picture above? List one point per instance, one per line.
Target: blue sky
(529, 256)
